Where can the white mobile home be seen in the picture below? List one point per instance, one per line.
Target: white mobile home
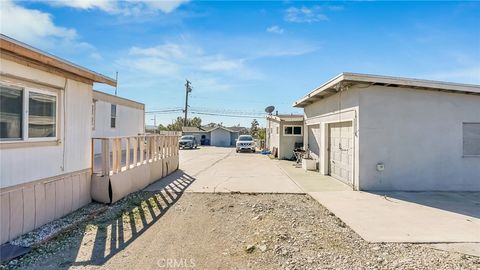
(389, 133)
(284, 134)
(45, 128)
(116, 116)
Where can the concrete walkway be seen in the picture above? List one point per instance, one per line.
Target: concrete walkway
(378, 218)
(310, 181)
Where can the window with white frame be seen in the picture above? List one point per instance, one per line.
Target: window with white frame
(27, 114)
(471, 139)
(292, 130)
(113, 115)
(278, 128)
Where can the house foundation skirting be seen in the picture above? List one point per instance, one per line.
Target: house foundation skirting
(111, 188)
(28, 206)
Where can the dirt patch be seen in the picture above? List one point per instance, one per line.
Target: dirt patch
(166, 230)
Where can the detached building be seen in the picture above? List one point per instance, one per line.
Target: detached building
(284, 134)
(215, 136)
(389, 133)
(116, 116)
(45, 137)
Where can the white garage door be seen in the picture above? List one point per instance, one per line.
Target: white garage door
(341, 151)
(220, 137)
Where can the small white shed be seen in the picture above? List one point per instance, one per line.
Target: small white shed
(388, 133)
(284, 133)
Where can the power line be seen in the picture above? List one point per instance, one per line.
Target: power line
(166, 110)
(226, 115)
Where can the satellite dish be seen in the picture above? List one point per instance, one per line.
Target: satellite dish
(269, 109)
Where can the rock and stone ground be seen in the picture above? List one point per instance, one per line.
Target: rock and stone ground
(168, 230)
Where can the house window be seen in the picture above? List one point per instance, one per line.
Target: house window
(113, 116)
(27, 114)
(42, 115)
(292, 131)
(278, 129)
(471, 139)
(11, 113)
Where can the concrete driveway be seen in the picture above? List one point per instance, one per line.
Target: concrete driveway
(217, 169)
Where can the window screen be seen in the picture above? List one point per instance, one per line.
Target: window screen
(11, 111)
(41, 115)
(471, 139)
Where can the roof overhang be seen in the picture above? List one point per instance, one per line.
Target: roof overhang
(333, 86)
(290, 118)
(98, 95)
(10, 46)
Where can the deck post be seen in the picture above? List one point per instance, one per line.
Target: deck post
(106, 157)
(127, 153)
(142, 148)
(135, 151)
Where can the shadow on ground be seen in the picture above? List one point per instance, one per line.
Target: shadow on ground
(121, 224)
(464, 203)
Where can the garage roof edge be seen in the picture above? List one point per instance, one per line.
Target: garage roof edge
(385, 80)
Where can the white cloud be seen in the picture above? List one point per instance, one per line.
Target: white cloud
(32, 26)
(123, 7)
(171, 54)
(305, 15)
(275, 29)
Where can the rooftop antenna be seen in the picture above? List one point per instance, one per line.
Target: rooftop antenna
(116, 82)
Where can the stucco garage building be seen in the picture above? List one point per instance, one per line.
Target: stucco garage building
(389, 133)
(284, 133)
(215, 136)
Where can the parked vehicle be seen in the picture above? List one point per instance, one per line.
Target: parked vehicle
(245, 143)
(188, 141)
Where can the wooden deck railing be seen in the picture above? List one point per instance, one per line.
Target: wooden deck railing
(111, 155)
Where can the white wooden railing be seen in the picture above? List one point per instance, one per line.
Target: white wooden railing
(112, 155)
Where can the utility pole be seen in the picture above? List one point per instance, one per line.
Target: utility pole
(116, 82)
(155, 123)
(188, 89)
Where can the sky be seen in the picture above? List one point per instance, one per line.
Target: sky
(244, 56)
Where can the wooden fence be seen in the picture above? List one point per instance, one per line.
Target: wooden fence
(130, 163)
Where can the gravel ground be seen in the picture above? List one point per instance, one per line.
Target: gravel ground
(227, 231)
